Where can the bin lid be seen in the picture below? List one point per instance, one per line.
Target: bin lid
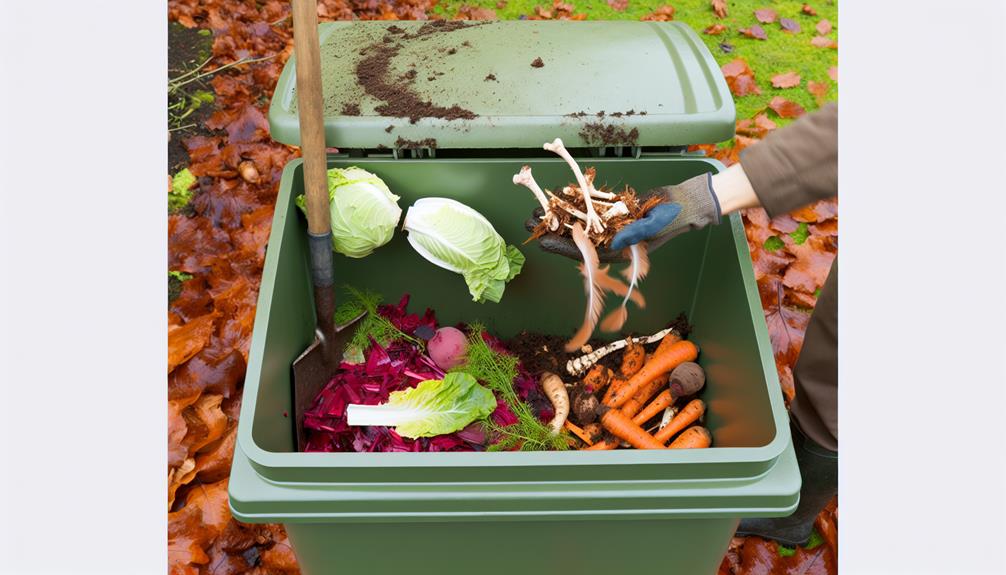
(511, 84)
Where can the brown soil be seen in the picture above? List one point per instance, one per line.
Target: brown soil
(537, 63)
(403, 144)
(351, 110)
(599, 134)
(491, 78)
(389, 128)
(373, 73)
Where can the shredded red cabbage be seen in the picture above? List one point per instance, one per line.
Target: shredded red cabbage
(394, 367)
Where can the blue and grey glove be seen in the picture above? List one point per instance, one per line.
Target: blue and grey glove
(689, 205)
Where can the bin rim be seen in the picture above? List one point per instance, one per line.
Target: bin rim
(335, 467)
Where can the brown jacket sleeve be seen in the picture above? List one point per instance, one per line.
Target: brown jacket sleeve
(796, 165)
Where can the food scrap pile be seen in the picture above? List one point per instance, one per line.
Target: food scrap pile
(572, 213)
(407, 385)
(646, 403)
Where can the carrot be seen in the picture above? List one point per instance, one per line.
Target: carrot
(667, 341)
(606, 444)
(617, 382)
(578, 432)
(693, 438)
(597, 378)
(633, 359)
(623, 428)
(688, 415)
(659, 403)
(594, 431)
(661, 363)
(642, 396)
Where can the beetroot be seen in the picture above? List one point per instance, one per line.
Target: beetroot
(447, 347)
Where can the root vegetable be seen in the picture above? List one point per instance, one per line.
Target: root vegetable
(556, 392)
(583, 435)
(693, 438)
(688, 415)
(594, 430)
(659, 403)
(618, 381)
(687, 379)
(633, 359)
(636, 402)
(447, 347)
(583, 363)
(624, 428)
(668, 340)
(585, 406)
(597, 378)
(661, 363)
(607, 443)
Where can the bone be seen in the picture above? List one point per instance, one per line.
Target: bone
(567, 207)
(616, 209)
(524, 178)
(594, 192)
(594, 223)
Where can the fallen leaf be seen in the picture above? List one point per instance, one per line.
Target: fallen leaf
(786, 80)
(824, 42)
(466, 12)
(786, 328)
(833, 73)
(819, 211)
(618, 5)
(720, 8)
(825, 228)
(186, 340)
(205, 422)
(785, 108)
(808, 10)
(179, 476)
(663, 14)
(740, 78)
(755, 31)
(758, 127)
(715, 30)
(501, 4)
(765, 15)
(192, 528)
(823, 27)
(789, 25)
(810, 270)
(819, 90)
(726, 47)
(214, 463)
(784, 224)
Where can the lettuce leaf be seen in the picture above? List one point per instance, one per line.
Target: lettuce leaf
(434, 407)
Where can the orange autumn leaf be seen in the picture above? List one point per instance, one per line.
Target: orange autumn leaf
(740, 78)
(810, 269)
(819, 211)
(786, 80)
(785, 108)
(186, 340)
(715, 30)
(192, 529)
(755, 31)
(618, 5)
(720, 8)
(662, 14)
(466, 12)
(823, 27)
(833, 73)
(819, 90)
(205, 422)
(808, 10)
(758, 127)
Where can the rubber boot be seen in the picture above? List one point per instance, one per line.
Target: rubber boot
(819, 471)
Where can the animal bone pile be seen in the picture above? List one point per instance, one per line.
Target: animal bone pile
(592, 217)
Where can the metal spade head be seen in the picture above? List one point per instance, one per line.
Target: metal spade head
(316, 367)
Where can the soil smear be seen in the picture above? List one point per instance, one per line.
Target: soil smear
(351, 109)
(597, 134)
(403, 144)
(373, 74)
(539, 352)
(491, 78)
(537, 63)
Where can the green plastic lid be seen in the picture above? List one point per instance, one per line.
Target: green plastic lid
(512, 84)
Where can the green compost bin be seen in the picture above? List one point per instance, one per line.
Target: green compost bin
(581, 512)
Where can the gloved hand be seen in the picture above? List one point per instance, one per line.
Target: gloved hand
(689, 205)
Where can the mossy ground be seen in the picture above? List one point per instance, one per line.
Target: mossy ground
(781, 52)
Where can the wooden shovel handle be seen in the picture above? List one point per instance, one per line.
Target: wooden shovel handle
(311, 113)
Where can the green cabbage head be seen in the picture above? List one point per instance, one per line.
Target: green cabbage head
(364, 211)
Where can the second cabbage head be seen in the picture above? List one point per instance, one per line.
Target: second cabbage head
(457, 238)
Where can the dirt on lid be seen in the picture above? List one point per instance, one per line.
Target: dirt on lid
(403, 144)
(491, 78)
(351, 109)
(398, 97)
(537, 63)
(597, 134)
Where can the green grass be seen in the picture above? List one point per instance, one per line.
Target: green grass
(782, 52)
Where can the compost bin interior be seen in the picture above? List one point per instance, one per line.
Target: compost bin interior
(706, 274)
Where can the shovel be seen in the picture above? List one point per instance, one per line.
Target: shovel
(319, 362)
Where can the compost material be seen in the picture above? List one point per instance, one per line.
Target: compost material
(599, 134)
(398, 97)
(537, 63)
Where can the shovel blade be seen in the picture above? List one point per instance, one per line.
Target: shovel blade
(313, 369)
